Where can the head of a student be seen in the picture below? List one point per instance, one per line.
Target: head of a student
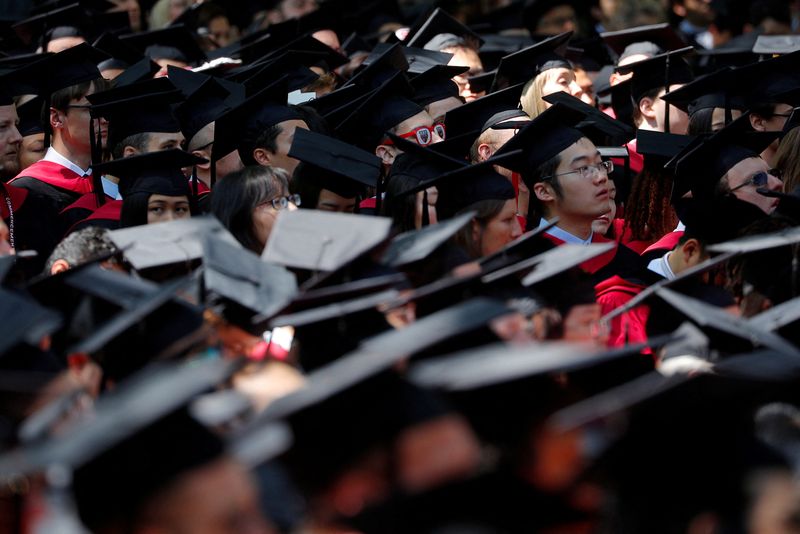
(247, 203)
(81, 247)
(201, 145)
(650, 112)
(550, 18)
(745, 178)
(492, 139)
(163, 203)
(494, 225)
(787, 160)
(61, 38)
(603, 223)
(573, 185)
(10, 142)
(418, 128)
(770, 117)
(708, 120)
(308, 180)
(552, 80)
(465, 55)
(31, 149)
(69, 121)
(146, 142)
(271, 146)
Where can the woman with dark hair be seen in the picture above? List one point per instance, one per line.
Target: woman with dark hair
(247, 202)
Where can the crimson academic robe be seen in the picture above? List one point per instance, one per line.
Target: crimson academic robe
(618, 276)
(35, 225)
(106, 216)
(79, 210)
(662, 246)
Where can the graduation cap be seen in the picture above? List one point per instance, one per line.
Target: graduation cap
(708, 61)
(242, 125)
(606, 130)
(30, 117)
(523, 66)
(73, 20)
(436, 84)
(152, 173)
(776, 44)
(473, 116)
(149, 112)
(663, 35)
(382, 110)
(168, 243)
(25, 321)
(334, 165)
(658, 72)
(204, 106)
(174, 42)
(716, 90)
(251, 290)
(110, 44)
(381, 68)
(142, 70)
(772, 81)
(660, 147)
(416, 245)
(67, 68)
(320, 241)
(543, 138)
(440, 22)
(701, 167)
(289, 65)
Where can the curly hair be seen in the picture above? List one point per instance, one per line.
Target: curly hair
(649, 214)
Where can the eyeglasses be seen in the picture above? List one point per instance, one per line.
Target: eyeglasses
(587, 171)
(424, 134)
(760, 179)
(281, 203)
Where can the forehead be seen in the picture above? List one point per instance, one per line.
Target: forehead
(748, 166)
(415, 121)
(8, 112)
(578, 152)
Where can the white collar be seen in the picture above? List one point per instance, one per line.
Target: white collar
(565, 236)
(53, 156)
(661, 266)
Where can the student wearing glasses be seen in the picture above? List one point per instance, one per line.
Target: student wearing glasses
(249, 201)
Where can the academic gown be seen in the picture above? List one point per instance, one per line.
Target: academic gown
(618, 276)
(662, 246)
(106, 216)
(34, 227)
(79, 211)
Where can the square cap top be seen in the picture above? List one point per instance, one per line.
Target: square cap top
(522, 66)
(320, 241)
(204, 106)
(153, 173)
(168, 243)
(25, 321)
(776, 44)
(436, 84)
(601, 128)
(76, 18)
(440, 22)
(660, 145)
(252, 287)
(111, 45)
(472, 116)
(783, 238)
(656, 72)
(663, 35)
(716, 90)
(330, 156)
(378, 70)
(544, 138)
(178, 37)
(142, 70)
(67, 68)
(416, 245)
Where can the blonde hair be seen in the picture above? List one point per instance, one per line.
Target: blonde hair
(787, 159)
(531, 100)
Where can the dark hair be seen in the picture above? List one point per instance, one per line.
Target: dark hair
(535, 207)
(62, 98)
(134, 209)
(235, 197)
(766, 110)
(401, 209)
(486, 211)
(700, 121)
(81, 247)
(209, 11)
(307, 188)
(268, 140)
(315, 122)
(649, 213)
(138, 141)
(652, 94)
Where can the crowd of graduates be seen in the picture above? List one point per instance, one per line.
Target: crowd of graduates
(325, 267)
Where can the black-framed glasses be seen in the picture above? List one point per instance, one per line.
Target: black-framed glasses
(759, 179)
(587, 171)
(281, 203)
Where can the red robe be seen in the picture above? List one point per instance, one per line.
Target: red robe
(617, 281)
(663, 245)
(106, 216)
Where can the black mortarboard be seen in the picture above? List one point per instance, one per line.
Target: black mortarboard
(30, 117)
(251, 290)
(291, 65)
(436, 84)
(663, 35)
(171, 242)
(209, 102)
(69, 20)
(777, 317)
(772, 81)
(776, 44)
(320, 241)
(440, 22)
(381, 68)
(716, 220)
(659, 71)
(24, 321)
(604, 129)
(660, 147)
(755, 243)
(523, 66)
(334, 165)
(419, 60)
(175, 41)
(142, 114)
(382, 110)
(242, 125)
(142, 70)
(717, 58)
(152, 173)
(111, 45)
(354, 43)
(705, 162)
(716, 90)
(72, 66)
(472, 116)
(543, 138)
(416, 245)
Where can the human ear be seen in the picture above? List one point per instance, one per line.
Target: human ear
(646, 108)
(543, 192)
(59, 266)
(262, 156)
(202, 154)
(385, 153)
(758, 122)
(484, 151)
